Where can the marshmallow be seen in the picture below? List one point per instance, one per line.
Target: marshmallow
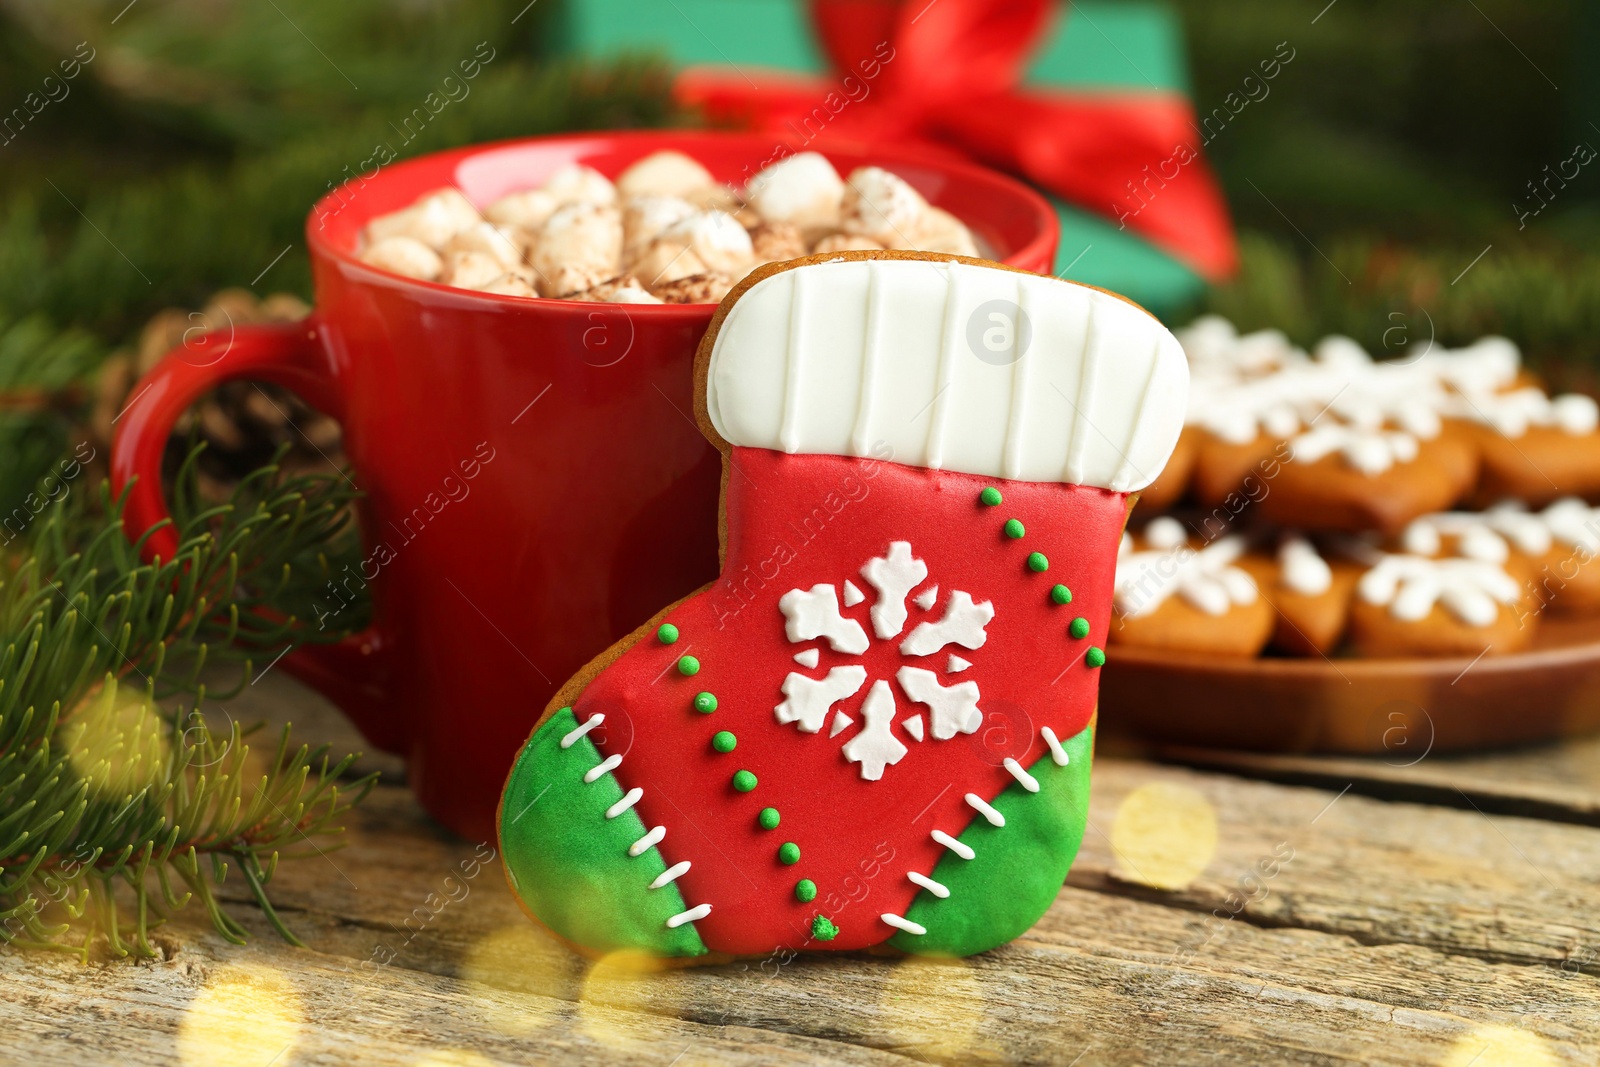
(719, 242)
(471, 270)
(664, 174)
(941, 231)
(623, 289)
(881, 206)
(578, 247)
(803, 189)
(404, 255)
(645, 218)
(666, 262)
(433, 219)
(502, 245)
(525, 210)
(697, 289)
(772, 241)
(578, 184)
(512, 283)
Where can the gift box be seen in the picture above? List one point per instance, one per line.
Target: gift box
(1086, 100)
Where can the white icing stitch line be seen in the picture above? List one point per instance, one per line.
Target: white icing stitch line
(601, 769)
(589, 724)
(1028, 781)
(929, 884)
(647, 842)
(903, 924)
(671, 874)
(953, 845)
(694, 914)
(1057, 753)
(625, 803)
(980, 806)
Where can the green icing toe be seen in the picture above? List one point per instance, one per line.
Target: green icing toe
(1019, 868)
(570, 864)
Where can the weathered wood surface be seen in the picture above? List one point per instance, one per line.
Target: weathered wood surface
(1326, 925)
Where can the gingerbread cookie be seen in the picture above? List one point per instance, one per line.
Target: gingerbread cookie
(1175, 593)
(1342, 477)
(1543, 464)
(1309, 592)
(1535, 448)
(1416, 606)
(1173, 481)
(927, 465)
(1551, 551)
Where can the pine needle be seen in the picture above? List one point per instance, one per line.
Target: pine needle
(110, 780)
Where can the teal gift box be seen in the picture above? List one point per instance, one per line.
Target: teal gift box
(1101, 45)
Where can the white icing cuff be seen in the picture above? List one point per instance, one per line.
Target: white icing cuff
(950, 366)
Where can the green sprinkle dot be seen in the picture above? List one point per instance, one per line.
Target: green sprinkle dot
(1037, 562)
(1079, 627)
(789, 852)
(805, 891)
(822, 929)
(1094, 657)
(705, 703)
(990, 496)
(667, 634)
(744, 781)
(1060, 594)
(723, 741)
(688, 665)
(1014, 529)
(768, 818)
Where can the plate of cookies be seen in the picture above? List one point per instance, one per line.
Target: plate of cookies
(1348, 554)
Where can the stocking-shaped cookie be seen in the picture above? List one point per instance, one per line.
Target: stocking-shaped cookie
(875, 728)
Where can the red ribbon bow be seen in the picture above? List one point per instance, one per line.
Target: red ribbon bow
(948, 73)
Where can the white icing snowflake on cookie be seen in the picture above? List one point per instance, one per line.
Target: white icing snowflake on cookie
(813, 614)
(1206, 579)
(1471, 590)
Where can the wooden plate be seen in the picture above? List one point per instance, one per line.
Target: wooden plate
(1388, 706)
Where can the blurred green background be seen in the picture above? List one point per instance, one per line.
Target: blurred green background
(183, 156)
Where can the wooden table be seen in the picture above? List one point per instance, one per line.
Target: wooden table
(1439, 913)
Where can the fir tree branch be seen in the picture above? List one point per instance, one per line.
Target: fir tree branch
(111, 782)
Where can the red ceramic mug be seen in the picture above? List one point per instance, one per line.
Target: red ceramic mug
(535, 484)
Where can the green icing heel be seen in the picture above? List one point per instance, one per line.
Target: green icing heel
(1018, 869)
(569, 863)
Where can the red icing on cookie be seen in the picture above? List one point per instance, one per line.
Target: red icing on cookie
(799, 521)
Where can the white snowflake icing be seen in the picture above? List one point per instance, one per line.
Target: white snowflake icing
(952, 709)
(810, 698)
(814, 613)
(963, 624)
(893, 576)
(876, 746)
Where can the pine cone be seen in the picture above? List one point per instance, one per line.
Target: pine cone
(243, 423)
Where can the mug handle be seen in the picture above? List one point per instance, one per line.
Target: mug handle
(352, 672)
